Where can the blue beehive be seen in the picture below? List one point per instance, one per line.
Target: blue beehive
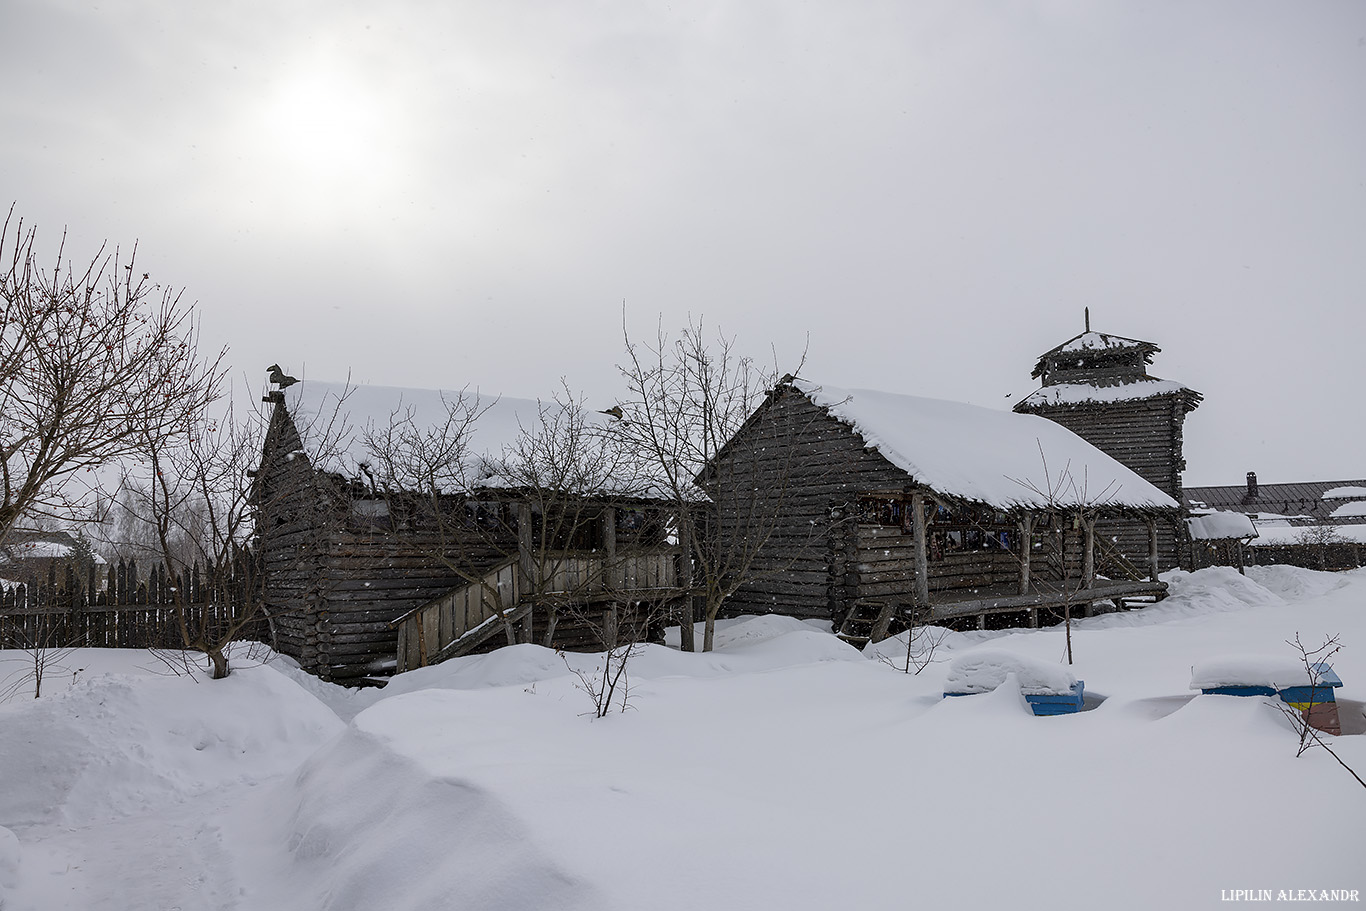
(1317, 703)
(1051, 704)
(1058, 705)
(1048, 688)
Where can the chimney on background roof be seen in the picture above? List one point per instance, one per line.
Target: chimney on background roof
(1252, 485)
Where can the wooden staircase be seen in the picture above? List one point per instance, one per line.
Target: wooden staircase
(866, 621)
(575, 594)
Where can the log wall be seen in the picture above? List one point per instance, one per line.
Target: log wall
(788, 478)
(1144, 435)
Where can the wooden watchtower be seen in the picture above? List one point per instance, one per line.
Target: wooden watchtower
(1098, 386)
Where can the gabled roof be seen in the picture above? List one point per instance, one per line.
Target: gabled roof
(999, 458)
(333, 420)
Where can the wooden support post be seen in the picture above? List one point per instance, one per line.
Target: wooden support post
(1152, 550)
(981, 621)
(526, 564)
(686, 633)
(1033, 618)
(1088, 553)
(1026, 529)
(609, 548)
(1238, 547)
(922, 559)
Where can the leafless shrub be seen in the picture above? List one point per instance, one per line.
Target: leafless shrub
(1300, 719)
(922, 641)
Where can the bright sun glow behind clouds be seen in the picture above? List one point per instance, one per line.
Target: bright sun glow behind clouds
(322, 141)
(323, 123)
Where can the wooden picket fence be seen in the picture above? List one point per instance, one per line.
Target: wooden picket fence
(129, 610)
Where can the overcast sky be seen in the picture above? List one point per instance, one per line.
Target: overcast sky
(923, 194)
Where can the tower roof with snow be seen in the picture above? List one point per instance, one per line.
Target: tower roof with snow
(1098, 367)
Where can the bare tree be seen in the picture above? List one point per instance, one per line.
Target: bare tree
(94, 358)
(686, 397)
(545, 501)
(128, 531)
(1068, 497)
(194, 498)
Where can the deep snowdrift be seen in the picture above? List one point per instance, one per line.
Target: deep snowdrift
(785, 770)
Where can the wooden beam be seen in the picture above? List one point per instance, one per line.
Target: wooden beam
(1026, 527)
(882, 622)
(526, 558)
(609, 532)
(1088, 554)
(526, 562)
(922, 559)
(1152, 549)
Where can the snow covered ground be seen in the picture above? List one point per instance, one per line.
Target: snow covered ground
(785, 770)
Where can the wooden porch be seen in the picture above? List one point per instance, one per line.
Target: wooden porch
(1003, 570)
(874, 620)
(582, 601)
(980, 604)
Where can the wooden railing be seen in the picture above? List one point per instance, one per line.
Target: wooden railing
(468, 615)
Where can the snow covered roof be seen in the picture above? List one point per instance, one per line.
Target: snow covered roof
(1100, 341)
(1352, 509)
(1302, 499)
(1092, 347)
(983, 670)
(988, 456)
(1081, 393)
(1275, 671)
(342, 413)
(1221, 526)
(337, 417)
(30, 544)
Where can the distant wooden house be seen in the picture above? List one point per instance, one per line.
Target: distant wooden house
(33, 556)
(1097, 385)
(891, 506)
(362, 579)
(1314, 524)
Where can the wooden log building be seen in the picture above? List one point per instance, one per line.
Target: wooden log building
(890, 508)
(1097, 385)
(362, 581)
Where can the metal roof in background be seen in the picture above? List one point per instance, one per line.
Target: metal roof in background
(1302, 499)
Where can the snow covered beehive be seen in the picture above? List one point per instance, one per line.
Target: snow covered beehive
(1307, 688)
(1048, 688)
